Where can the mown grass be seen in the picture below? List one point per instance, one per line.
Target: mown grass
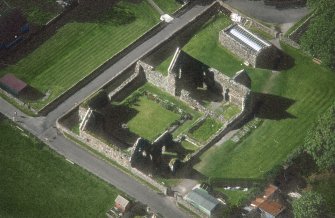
(205, 46)
(189, 146)
(36, 182)
(234, 197)
(151, 120)
(168, 6)
(37, 11)
(195, 114)
(206, 130)
(79, 48)
(310, 87)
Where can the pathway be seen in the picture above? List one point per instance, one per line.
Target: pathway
(154, 5)
(44, 127)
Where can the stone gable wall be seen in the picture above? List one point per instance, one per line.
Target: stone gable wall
(237, 48)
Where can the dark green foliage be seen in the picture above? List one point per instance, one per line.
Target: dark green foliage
(320, 140)
(311, 204)
(319, 39)
(119, 15)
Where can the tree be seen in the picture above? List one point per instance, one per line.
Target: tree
(311, 204)
(320, 140)
(319, 39)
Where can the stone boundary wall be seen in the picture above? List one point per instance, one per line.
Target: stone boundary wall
(100, 69)
(236, 47)
(121, 158)
(289, 42)
(254, 23)
(296, 34)
(52, 105)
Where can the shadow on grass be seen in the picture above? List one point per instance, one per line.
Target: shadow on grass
(272, 107)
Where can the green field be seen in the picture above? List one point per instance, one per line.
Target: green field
(151, 120)
(310, 89)
(168, 6)
(206, 130)
(80, 47)
(189, 123)
(37, 11)
(36, 182)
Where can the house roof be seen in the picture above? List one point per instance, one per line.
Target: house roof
(121, 201)
(269, 191)
(202, 199)
(12, 82)
(257, 202)
(247, 38)
(272, 207)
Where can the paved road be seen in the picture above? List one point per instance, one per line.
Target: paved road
(44, 127)
(100, 168)
(269, 14)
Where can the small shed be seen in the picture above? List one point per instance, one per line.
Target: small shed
(202, 200)
(11, 84)
(271, 209)
(122, 204)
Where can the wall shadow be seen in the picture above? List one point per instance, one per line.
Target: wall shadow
(272, 107)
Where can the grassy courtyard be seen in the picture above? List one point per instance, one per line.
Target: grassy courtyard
(36, 182)
(309, 89)
(206, 130)
(79, 47)
(151, 120)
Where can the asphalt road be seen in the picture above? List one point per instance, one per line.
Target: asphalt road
(44, 127)
(270, 14)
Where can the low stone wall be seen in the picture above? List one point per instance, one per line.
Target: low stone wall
(237, 47)
(248, 20)
(112, 153)
(290, 42)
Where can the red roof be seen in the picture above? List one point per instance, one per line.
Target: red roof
(12, 82)
(272, 207)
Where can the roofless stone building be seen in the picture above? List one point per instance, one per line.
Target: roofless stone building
(249, 47)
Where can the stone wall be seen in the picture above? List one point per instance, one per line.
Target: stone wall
(239, 49)
(264, 58)
(112, 153)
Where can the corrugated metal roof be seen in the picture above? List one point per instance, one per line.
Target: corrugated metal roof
(202, 199)
(247, 38)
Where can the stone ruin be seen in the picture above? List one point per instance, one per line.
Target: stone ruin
(255, 51)
(187, 75)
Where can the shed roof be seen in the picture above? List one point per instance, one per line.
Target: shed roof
(272, 207)
(202, 199)
(15, 84)
(269, 191)
(121, 201)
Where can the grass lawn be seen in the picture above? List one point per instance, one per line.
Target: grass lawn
(228, 111)
(80, 47)
(312, 89)
(151, 120)
(189, 146)
(234, 197)
(36, 182)
(37, 11)
(168, 6)
(205, 46)
(206, 130)
(195, 114)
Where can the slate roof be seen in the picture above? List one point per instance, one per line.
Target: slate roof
(201, 199)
